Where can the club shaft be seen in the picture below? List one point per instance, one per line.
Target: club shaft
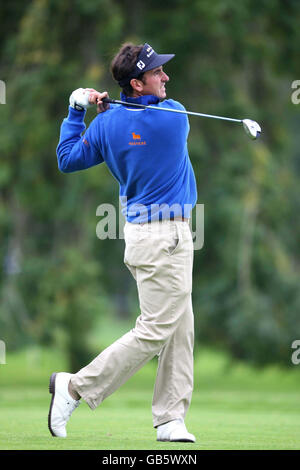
(191, 113)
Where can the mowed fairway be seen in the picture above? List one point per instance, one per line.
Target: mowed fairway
(239, 409)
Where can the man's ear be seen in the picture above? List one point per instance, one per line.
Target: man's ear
(137, 85)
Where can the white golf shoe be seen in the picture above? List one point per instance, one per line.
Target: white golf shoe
(62, 404)
(174, 431)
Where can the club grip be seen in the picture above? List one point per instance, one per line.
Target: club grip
(107, 100)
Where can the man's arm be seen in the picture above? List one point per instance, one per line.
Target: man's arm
(76, 152)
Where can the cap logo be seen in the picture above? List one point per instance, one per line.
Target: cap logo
(141, 65)
(149, 51)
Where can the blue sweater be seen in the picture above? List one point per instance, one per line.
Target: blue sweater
(145, 150)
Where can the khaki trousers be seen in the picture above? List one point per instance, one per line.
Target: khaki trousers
(160, 257)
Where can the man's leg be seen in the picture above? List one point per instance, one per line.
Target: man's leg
(175, 374)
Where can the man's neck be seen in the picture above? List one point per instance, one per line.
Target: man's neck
(136, 95)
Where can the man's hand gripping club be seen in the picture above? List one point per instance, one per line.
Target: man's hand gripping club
(84, 98)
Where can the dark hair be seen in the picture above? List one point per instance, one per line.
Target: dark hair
(123, 64)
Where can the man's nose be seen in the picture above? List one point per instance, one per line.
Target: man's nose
(165, 77)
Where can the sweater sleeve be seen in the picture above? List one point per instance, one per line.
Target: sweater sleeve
(74, 151)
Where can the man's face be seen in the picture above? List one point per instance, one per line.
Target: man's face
(154, 83)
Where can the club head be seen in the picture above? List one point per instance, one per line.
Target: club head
(252, 128)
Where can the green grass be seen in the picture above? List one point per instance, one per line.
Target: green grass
(234, 407)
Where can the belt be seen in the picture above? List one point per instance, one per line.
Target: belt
(181, 219)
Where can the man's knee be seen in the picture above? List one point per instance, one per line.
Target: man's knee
(157, 334)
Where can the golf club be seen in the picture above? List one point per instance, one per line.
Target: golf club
(252, 128)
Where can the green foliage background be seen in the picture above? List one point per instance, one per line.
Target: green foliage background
(233, 59)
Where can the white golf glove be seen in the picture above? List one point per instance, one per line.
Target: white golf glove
(79, 99)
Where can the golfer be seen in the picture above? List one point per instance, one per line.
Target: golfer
(146, 152)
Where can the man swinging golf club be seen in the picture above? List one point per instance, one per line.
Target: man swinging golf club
(146, 152)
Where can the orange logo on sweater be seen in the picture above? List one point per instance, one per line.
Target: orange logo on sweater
(136, 136)
(137, 140)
